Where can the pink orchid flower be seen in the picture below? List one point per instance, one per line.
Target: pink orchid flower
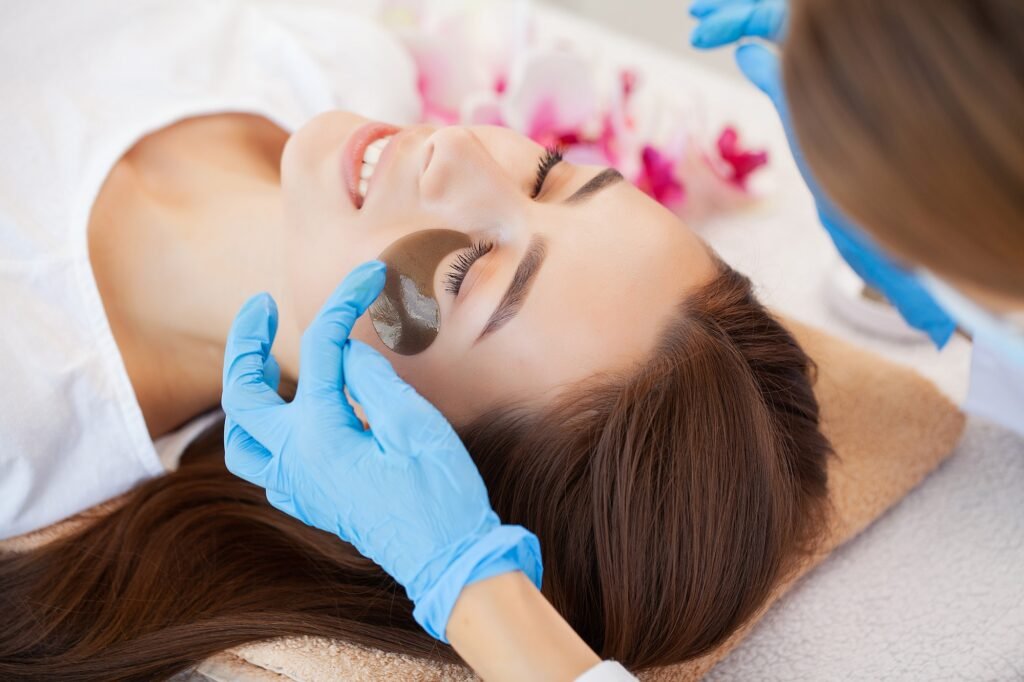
(550, 96)
(741, 162)
(462, 54)
(658, 178)
(718, 174)
(478, 65)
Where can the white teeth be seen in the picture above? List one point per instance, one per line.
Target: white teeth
(370, 158)
(374, 151)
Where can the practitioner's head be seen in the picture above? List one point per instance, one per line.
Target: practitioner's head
(609, 265)
(909, 114)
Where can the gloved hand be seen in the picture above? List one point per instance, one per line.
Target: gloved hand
(405, 493)
(726, 21)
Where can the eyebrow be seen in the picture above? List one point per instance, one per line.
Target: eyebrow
(529, 266)
(516, 293)
(606, 178)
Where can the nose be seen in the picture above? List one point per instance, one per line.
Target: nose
(461, 176)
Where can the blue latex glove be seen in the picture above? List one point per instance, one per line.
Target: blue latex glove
(406, 493)
(725, 21)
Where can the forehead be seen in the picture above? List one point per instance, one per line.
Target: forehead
(617, 268)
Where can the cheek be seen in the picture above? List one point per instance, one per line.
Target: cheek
(447, 385)
(426, 373)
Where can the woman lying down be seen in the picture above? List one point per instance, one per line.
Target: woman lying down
(622, 391)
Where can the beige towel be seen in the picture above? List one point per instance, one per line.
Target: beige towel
(889, 426)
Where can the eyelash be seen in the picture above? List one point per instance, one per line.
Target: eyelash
(460, 268)
(464, 261)
(551, 158)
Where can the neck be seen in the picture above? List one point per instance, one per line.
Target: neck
(187, 226)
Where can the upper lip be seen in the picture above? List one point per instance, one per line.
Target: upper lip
(355, 148)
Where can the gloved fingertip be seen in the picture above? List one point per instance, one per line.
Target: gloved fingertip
(760, 66)
(697, 38)
(747, 54)
(256, 319)
(364, 283)
(369, 269)
(269, 304)
(262, 302)
(753, 53)
(701, 8)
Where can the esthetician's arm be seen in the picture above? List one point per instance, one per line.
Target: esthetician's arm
(405, 493)
(505, 629)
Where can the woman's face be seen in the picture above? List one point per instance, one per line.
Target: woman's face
(615, 264)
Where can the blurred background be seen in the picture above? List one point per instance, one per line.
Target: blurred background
(663, 23)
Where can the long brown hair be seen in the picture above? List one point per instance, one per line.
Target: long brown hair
(910, 115)
(669, 502)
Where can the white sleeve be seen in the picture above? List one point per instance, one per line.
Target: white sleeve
(997, 387)
(607, 671)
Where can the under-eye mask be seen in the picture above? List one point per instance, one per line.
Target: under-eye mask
(406, 315)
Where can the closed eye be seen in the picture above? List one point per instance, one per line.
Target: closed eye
(552, 157)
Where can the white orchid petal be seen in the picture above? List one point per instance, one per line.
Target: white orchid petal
(445, 76)
(481, 108)
(556, 85)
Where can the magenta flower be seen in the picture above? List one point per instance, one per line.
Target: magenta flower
(742, 162)
(658, 178)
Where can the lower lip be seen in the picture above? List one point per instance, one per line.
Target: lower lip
(352, 156)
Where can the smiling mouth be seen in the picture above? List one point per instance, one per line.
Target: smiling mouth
(371, 157)
(363, 153)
